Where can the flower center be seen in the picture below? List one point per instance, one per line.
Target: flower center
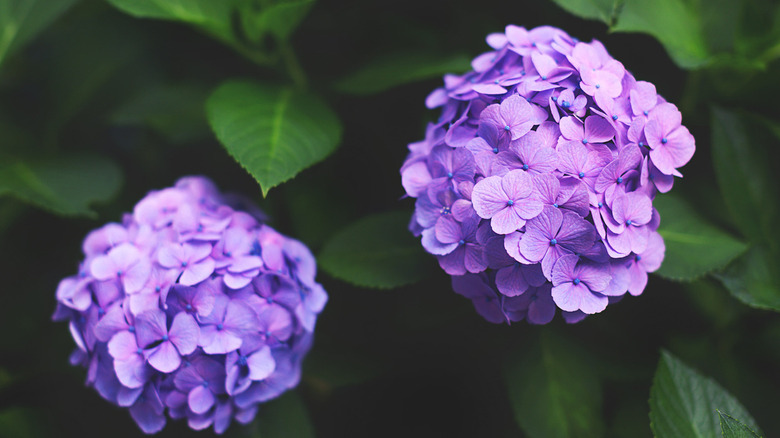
(553, 242)
(576, 281)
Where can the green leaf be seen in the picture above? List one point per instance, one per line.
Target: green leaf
(752, 278)
(211, 15)
(603, 10)
(273, 131)
(554, 391)
(390, 70)
(279, 18)
(376, 251)
(66, 186)
(22, 20)
(693, 246)
(730, 427)
(283, 417)
(21, 422)
(175, 112)
(683, 403)
(739, 152)
(672, 22)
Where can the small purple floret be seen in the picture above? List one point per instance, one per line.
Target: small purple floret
(194, 309)
(545, 162)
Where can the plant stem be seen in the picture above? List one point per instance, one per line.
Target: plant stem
(292, 65)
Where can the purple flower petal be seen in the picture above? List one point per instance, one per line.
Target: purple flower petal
(261, 364)
(164, 357)
(200, 399)
(184, 333)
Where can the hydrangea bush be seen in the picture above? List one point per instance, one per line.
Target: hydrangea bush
(191, 306)
(535, 187)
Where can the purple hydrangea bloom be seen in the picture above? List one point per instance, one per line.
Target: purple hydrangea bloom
(535, 187)
(191, 308)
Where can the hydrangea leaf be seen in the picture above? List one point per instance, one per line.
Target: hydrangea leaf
(684, 403)
(65, 186)
(752, 278)
(554, 391)
(280, 18)
(693, 246)
(22, 20)
(273, 131)
(214, 16)
(283, 417)
(672, 22)
(390, 70)
(730, 427)
(376, 251)
(603, 10)
(742, 168)
(176, 112)
(22, 422)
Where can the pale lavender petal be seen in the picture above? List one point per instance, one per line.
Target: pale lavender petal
(197, 272)
(184, 333)
(563, 271)
(517, 184)
(534, 245)
(571, 128)
(122, 346)
(598, 130)
(568, 296)
(170, 256)
(215, 341)
(150, 327)
(164, 358)
(488, 197)
(103, 268)
(596, 277)
(135, 277)
(592, 302)
(240, 318)
(506, 221)
(432, 244)
(112, 322)
(200, 399)
(261, 364)
(415, 178)
(448, 230)
(132, 372)
(238, 281)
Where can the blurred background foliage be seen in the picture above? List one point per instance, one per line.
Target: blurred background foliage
(102, 101)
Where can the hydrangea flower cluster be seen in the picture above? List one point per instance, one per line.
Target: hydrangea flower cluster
(193, 306)
(534, 188)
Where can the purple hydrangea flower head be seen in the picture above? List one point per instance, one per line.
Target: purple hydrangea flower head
(535, 187)
(192, 308)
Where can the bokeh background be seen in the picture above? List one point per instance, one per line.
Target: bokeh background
(119, 100)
